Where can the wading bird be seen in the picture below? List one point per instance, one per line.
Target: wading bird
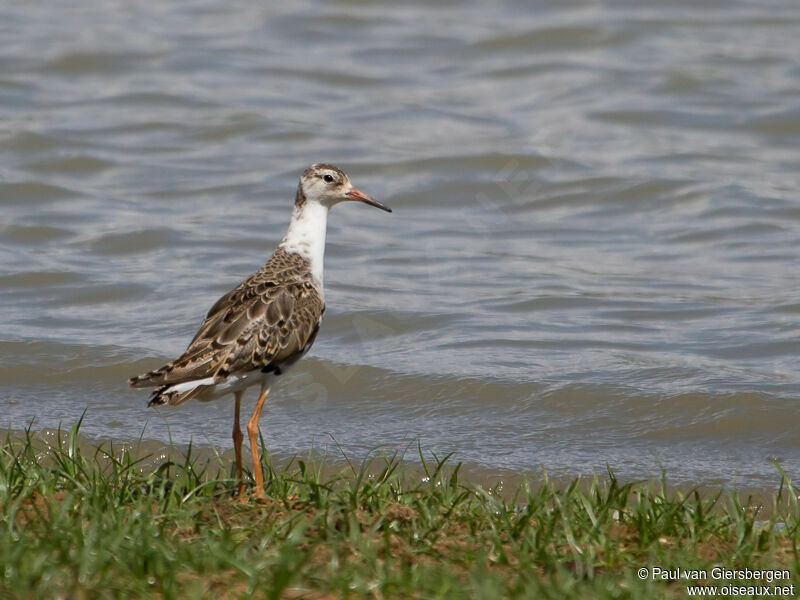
(266, 323)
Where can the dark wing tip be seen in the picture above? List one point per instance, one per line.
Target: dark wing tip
(140, 381)
(158, 398)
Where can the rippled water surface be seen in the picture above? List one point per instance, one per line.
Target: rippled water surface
(593, 257)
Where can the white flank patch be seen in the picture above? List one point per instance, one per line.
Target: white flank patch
(230, 385)
(189, 385)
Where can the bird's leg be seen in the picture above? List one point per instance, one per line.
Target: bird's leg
(237, 442)
(252, 432)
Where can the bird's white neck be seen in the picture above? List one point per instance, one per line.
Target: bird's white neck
(306, 235)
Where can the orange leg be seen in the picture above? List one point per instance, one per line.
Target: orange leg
(237, 443)
(252, 433)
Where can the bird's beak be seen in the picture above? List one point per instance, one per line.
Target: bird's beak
(355, 194)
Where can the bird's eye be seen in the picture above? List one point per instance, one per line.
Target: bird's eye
(327, 178)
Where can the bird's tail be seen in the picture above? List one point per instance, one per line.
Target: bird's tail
(173, 395)
(148, 379)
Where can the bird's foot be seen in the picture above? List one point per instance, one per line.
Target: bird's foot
(257, 496)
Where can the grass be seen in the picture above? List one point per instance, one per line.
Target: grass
(77, 524)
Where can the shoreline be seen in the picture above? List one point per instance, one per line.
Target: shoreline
(83, 523)
(150, 454)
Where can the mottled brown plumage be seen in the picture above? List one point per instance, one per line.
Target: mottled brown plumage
(266, 322)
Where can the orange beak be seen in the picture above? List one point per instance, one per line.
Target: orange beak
(360, 196)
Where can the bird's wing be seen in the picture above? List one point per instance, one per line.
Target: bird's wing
(267, 319)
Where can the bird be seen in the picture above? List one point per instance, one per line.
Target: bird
(264, 325)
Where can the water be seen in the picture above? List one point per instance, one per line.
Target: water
(593, 257)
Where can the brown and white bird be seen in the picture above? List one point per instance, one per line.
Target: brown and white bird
(266, 323)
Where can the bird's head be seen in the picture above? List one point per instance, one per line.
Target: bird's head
(329, 185)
